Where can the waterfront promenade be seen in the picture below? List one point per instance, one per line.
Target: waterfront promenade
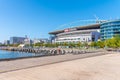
(105, 67)
(12, 65)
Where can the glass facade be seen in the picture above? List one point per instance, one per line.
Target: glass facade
(17, 40)
(109, 29)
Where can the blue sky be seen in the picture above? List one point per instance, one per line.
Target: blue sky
(36, 18)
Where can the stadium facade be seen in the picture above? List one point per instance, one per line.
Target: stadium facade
(104, 29)
(86, 33)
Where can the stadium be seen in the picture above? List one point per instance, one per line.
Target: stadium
(80, 31)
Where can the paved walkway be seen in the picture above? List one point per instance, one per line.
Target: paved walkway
(104, 67)
(6, 66)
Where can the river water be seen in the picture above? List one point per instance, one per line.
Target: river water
(11, 54)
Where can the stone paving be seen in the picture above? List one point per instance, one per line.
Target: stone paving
(6, 66)
(104, 67)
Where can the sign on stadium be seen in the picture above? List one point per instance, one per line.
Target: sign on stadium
(70, 29)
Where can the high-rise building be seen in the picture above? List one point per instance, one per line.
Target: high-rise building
(17, 40)
(28, 41)
(6, 42)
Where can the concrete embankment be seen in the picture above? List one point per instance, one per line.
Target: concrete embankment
(51, 51)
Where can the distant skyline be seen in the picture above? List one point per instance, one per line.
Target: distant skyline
(35, 18)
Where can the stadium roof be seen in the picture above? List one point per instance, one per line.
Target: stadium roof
(91, 26)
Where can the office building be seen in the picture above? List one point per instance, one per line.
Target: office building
(17, 40)
(109, 29)
(6, 42)
(41, 40)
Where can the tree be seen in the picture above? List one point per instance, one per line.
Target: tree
(38, 44)
(100, 44)
(113, 42)
(93, 44)
(78, 44)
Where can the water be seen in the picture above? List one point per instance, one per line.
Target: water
(10, 54)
